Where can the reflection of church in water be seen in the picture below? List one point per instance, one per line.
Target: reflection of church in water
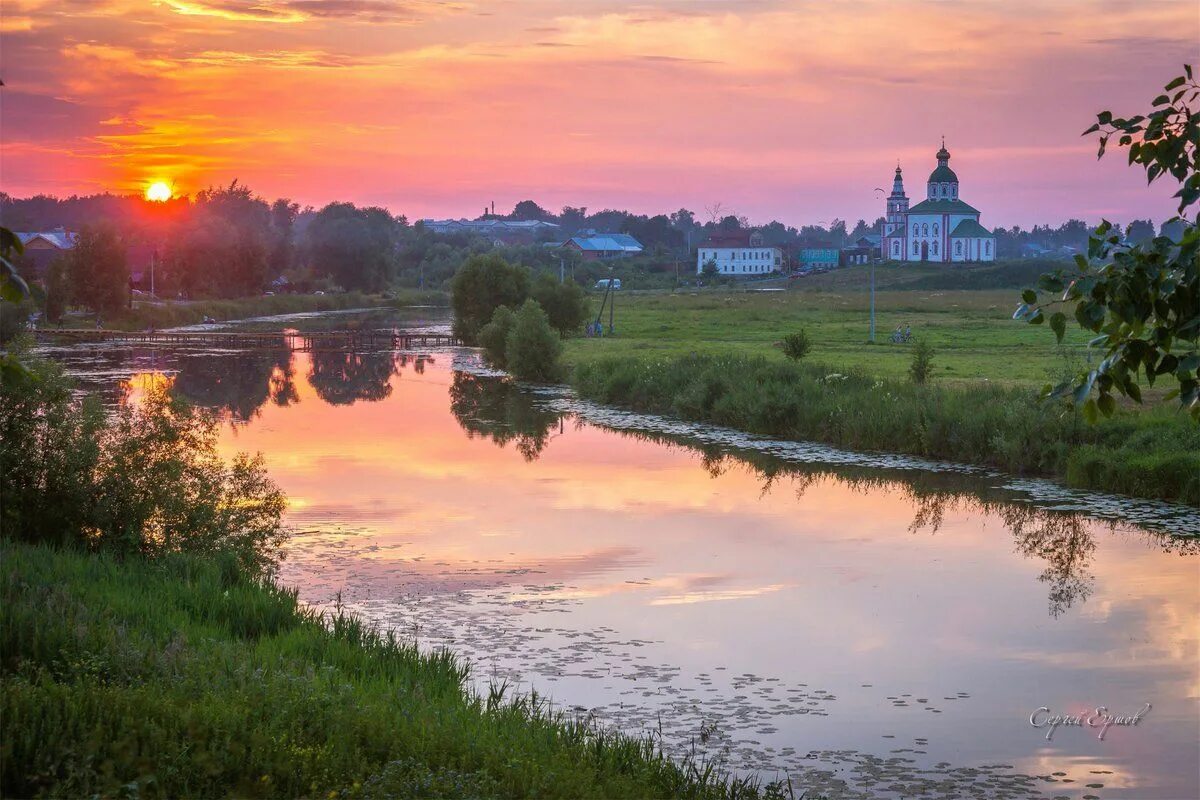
(939, 228)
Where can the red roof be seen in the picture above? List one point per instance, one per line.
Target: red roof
(728, 239)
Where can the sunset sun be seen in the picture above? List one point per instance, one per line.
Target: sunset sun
(158, 192)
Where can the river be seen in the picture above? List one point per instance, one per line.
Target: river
(869, 626)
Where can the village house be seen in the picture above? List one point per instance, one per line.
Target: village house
(596, 246)
(42, 247)
(819, 255)
(865, 250)
(739, 253)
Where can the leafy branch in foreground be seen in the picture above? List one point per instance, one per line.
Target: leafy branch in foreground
(1142, 299)
(13, 289)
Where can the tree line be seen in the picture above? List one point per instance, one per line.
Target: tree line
(228, 241)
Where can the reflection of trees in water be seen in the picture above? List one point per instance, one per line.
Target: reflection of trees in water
(1062, 539)
(340, 377)
(496, 409)
(282, 385)
(237, 384)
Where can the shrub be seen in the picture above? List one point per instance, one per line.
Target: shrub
(533, 349)
(13, 318)
(97, 270)
(493, 337)
(921, 369)
(564, 303)
(796, 345)
(482, 284)
(146, 480)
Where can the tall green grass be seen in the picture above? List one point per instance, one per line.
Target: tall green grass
(1154, 453)
(180, 677)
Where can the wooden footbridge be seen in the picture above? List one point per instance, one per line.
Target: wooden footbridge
(256, 340)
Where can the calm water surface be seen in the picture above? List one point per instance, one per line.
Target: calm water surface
(870, 629)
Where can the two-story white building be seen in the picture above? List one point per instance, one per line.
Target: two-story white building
(739, 253)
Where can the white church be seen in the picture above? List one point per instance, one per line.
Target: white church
(939, 228)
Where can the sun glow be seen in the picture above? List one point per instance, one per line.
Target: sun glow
(158, 192)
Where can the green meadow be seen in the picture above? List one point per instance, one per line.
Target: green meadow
(972, 330)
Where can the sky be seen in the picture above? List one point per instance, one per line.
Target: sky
(773, 109)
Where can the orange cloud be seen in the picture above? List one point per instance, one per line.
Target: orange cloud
(780, 110)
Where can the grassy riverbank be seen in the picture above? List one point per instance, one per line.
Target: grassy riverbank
(972, 330)
(1153, 453)
(713, 356)
(170, 313)
(180, 678)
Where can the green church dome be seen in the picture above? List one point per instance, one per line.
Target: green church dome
(943, 174)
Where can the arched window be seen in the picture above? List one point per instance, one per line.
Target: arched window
(924, 230)
(958, 248)
(987, 248)
(935, 229)
(896, 248)
(915, 231)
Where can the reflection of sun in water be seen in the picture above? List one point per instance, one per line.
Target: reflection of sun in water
(158, 192)
(138, 386)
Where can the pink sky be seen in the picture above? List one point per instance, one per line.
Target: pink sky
(783, 110)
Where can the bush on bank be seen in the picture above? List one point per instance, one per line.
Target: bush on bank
(1155, 453)
(145, 479)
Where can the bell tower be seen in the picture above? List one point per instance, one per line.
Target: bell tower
(897, 205)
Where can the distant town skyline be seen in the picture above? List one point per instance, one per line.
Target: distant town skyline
(780, 109)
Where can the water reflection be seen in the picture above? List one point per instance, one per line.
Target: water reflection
(341, 378)
(237, 384)
(1061, 539)
(498, 410)
(890, 620)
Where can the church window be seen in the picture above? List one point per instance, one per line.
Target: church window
(915, 229)
(896, 248)
(924, 230)
(987, 248)
(958, 248)
(935, 229)
(934, 250)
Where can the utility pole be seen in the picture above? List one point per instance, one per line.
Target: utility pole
(872, 302)
(561, 271)
(153, 261)
(613, 302)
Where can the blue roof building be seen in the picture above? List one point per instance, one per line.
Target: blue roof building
(604, 245)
